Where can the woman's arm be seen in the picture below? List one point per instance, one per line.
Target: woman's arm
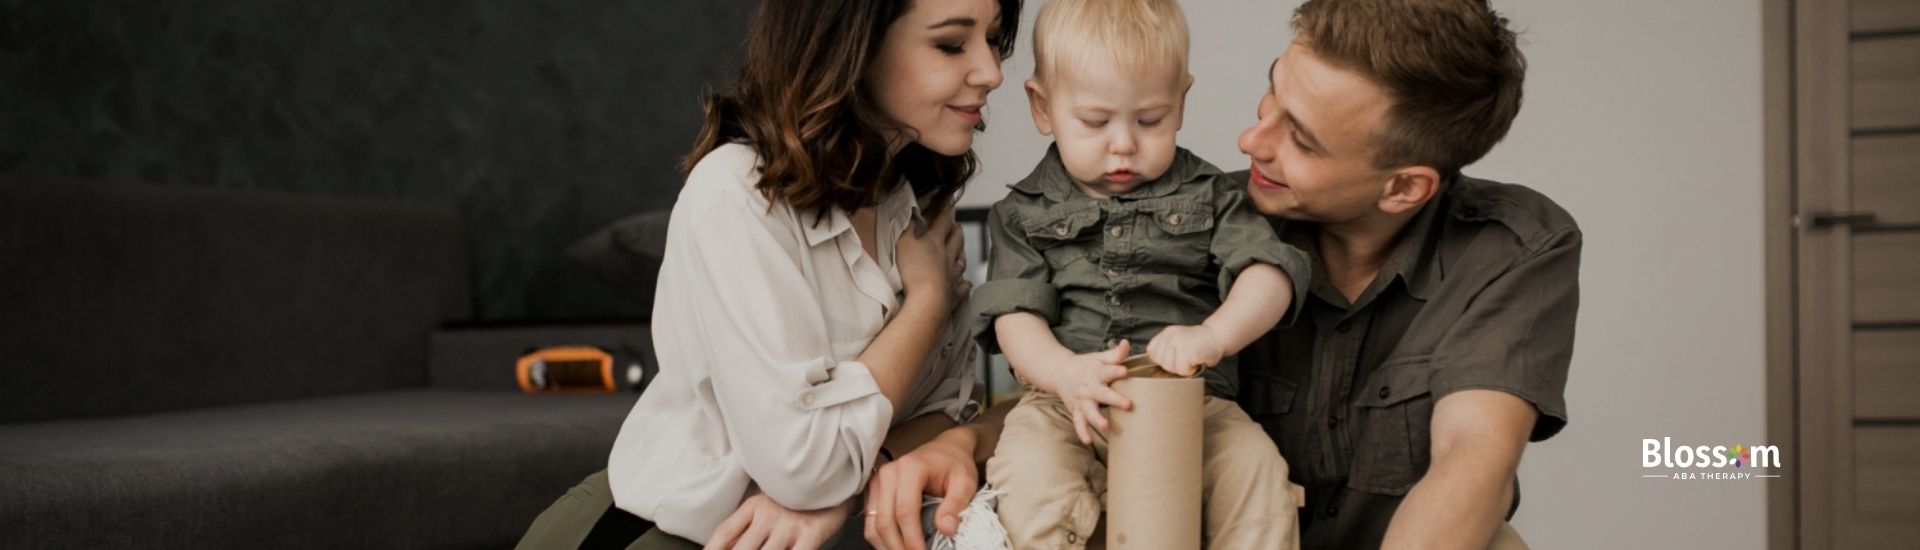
(803, 425)
(926, 256)
(896, 354)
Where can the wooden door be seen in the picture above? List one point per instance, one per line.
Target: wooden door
(1845, 387)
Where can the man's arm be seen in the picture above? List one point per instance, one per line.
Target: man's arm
(1478, 436)
(981, 434)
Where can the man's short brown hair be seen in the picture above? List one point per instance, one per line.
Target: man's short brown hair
(1451, 68)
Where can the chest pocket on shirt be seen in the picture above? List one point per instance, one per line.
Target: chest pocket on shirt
(1268, 397)
(1065, 234)
(1394, 447)
(1182, 232)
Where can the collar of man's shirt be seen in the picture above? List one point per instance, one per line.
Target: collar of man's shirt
(1412, 260)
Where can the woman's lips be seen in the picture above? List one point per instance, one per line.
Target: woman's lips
(1260, 180)
(970, 113)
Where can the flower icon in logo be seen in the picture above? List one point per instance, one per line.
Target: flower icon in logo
(1739, 455)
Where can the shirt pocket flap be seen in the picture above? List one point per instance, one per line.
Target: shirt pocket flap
(1398, 380)
(1061, 224)
(1267, 394)
(1180, 218)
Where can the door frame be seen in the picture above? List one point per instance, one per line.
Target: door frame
(1806, 57)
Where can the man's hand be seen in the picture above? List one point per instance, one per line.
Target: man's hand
(1184, 350)
(760, 522)
(943, 468)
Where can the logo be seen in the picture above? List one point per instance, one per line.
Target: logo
(1708, 462)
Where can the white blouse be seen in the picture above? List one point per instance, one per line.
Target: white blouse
(759, 318)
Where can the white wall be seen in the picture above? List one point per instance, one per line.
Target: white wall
(1642, 118)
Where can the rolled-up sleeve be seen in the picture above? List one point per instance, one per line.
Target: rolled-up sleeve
(1242, 237)
(803, 426)
(1517, 335)
(1017, 278)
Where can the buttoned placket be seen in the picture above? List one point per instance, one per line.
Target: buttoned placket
(1116, 248)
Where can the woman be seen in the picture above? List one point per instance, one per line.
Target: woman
(805, 313)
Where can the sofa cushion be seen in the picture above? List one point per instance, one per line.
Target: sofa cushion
(135, 298)
(405, 469)
(627, 254)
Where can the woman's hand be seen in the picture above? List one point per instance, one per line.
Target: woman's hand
(760, 522)
(944, 468)
(932, 258)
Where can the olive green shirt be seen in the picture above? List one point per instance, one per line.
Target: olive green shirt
(1480, 291)
(1124, 267)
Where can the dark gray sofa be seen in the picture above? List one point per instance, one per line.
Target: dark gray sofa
(191, 368)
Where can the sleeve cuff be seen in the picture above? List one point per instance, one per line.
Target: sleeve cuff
(1288, 258)
(850, 380)
(1552, 407)
(1005, 296)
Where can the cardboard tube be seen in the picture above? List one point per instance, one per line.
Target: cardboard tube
(1153, 462)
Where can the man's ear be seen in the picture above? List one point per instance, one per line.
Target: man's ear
(1037, 102)
(1409, 188)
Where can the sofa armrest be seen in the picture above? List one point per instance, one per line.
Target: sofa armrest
(483, 357)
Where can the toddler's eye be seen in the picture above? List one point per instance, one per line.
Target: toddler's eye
(1094, 123)
(1151, 123)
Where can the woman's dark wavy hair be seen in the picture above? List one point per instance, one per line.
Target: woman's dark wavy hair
(800, 103)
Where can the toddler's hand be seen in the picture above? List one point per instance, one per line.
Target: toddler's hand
(1087, 383)
(1185, 349)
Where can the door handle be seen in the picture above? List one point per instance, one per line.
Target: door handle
(1821, 220)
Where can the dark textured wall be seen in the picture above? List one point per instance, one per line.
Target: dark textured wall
(541, 120)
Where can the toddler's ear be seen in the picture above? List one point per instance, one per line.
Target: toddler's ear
(1037, 102)
(1183, 103)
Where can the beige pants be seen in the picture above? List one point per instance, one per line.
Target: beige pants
(1055, 486)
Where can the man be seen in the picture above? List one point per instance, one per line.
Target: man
(1435, 339)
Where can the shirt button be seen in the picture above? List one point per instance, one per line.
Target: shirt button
(1384, 392)
(1073, 538)
(1115, 231)
(1343, 327)
(1112, 273)
(1060, 229)
(1174, 219)
(1113, 299)
(806, 400)
(1111, 342)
